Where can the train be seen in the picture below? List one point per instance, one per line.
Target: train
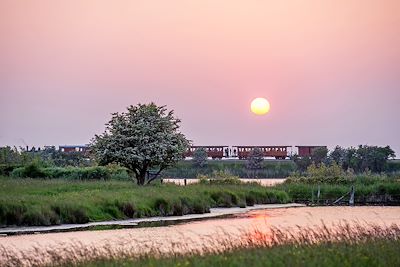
(243, 152)
(215, 152)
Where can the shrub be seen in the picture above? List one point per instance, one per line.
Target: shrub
(332, 174)
(6, 170)
(74, 173)
(32, 170)
(220, 177)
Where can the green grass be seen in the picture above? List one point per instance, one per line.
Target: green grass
(380, 192)
(34, 170)
(370, 253)
(49, 202)
(271, 169)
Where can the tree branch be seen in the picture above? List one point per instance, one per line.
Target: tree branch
(156, 175)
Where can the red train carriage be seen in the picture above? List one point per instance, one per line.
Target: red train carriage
(306, 151)
(75, 148)
(214, 152)
(278, 152)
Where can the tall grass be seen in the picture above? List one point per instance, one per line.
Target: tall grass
(48, 202)
(344, 245)
(324, 184)
(378, 192)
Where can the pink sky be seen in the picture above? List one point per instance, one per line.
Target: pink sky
(330, 69)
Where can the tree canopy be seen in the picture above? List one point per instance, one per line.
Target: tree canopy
(143, 138)
(200, 157)
(255, 159)
(360, 159)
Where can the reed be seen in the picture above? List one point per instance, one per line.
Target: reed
(343, 245)
(49, 202)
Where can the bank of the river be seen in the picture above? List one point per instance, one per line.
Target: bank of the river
(44, 248)
(25, 202)
(38, 202)
(142, 222)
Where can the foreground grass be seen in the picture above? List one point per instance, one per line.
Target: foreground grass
(369, 253)
(49, 202)
(343, 245)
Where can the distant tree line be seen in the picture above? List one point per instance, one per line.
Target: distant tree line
(11, 158)
(51, 157)
(358, 159)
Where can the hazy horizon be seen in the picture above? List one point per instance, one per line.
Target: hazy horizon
(330, 69)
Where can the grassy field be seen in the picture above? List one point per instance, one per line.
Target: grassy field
(369, 253)
(49, 202)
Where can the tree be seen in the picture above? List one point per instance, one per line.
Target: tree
(302, 163)
(144, 137)
(9, 155)
(255, 159)
(200, 157)
(372, 158)
(338, 155)
(319, 155)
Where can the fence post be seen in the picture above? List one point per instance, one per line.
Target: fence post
(351, 200)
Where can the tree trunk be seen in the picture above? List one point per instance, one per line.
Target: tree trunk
(141, 177)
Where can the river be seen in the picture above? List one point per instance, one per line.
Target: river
(261, 181)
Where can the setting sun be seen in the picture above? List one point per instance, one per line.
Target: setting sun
(260, 106)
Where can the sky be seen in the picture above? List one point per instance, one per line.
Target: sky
(329, 68)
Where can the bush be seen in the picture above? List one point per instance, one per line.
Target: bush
(73, 173)
(219, 177)
(6, 170)
(331, 174)
(32, 170)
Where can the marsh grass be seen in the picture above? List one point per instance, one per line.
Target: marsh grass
(49, 202)
(342, 245)
(379, 192)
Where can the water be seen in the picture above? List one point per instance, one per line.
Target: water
(263, 181)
